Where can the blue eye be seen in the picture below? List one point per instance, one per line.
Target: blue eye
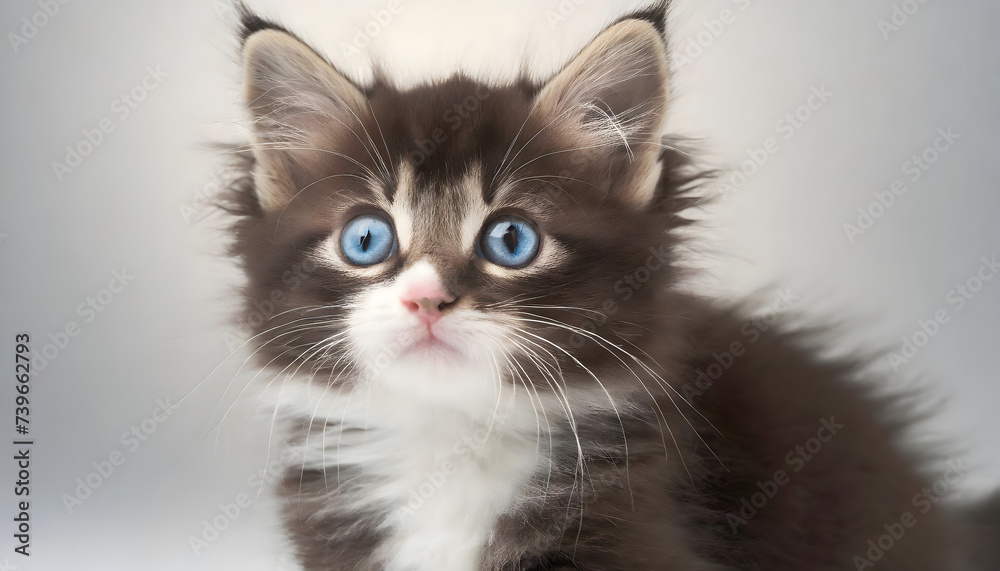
(509, 241)
(368, 240)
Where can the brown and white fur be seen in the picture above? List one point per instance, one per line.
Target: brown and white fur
(450, 414)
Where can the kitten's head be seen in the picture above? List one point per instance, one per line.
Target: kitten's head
(457, 225)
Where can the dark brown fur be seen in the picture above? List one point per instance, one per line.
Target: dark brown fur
(664, 504)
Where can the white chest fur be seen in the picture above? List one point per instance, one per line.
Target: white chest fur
(444, 471)
(455, 483)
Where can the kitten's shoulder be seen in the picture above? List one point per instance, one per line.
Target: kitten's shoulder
(806, 444)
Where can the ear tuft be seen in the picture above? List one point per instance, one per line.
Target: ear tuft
(655, 15)
(251, 23)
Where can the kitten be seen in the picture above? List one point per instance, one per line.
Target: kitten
(487, 362)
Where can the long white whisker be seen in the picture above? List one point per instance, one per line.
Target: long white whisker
(607, 393)
(607, 345)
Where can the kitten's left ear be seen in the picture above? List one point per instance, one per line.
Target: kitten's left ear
(613, 98)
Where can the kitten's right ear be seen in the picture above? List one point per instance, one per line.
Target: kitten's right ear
(300, 106)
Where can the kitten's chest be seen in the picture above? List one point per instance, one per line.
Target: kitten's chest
(441, 478)
(450, 489)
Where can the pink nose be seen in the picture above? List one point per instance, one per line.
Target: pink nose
(426, 301)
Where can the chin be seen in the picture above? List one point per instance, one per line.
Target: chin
(439, 377)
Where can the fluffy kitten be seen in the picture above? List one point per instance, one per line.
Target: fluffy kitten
(486, 363)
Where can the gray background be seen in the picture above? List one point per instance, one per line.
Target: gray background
(135, 202)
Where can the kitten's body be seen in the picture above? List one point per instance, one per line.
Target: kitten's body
(671, 505)
(450, 413)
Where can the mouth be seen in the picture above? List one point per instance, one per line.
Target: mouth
(430, 343)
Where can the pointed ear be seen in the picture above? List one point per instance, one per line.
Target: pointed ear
(300, 105)
(613, 98)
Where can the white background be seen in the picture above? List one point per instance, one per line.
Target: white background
(135, 202)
